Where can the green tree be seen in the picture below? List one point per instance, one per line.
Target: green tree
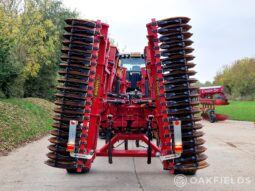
(31, 33)
(238, 78)
(43, 84)
(8, 33)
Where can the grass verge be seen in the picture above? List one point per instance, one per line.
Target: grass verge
(239, 110)
(23, 120)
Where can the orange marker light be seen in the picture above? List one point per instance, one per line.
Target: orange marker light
(177, 122)
(70, 147)
(71, 135)
(177, 137)
(178, 148)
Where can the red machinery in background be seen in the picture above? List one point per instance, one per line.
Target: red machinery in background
(214, 92)
(127, 97)
(209, 97)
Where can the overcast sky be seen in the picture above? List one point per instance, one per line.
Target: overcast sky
(223, 30)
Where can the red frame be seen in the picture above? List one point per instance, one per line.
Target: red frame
(206, 93)
(128, 153)
(104, 77)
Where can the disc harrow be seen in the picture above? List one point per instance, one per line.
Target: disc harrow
(73, 93)
(127, 97)
(182, 96)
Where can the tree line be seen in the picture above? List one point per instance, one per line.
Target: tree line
(238, 79)
(31, 33)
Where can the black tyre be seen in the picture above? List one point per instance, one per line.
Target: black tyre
(126, 144)
(212, 116)
(185, 172)
(73, 171)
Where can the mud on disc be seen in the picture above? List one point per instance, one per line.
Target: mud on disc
(73, 103)
(81, 22)
(175, 50)
(61, 164)
(179, 65)
(81, 51)
(58, 125)
(194, 166)
(59, 157)
(74, 111)
(172, 21)
(180, 72)
(193, 142)
(73, 80)
(73, 65)
(67, 118)
(194, 150)
(191, 126)
(171, 29)
(79, 37)
(185, 119)
(179, 81)
(183, 59)
(76, 44)
(79, 30)
(75, 71)
(191, 159)
(176, 36)
(57, 148)
(175, 43)
(58, 140)
(84, 60)
(192, 134)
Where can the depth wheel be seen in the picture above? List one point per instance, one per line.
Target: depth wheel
(73, 171)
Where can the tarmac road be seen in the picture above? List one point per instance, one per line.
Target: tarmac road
(231, 154)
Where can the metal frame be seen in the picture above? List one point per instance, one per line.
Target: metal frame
(135, 114)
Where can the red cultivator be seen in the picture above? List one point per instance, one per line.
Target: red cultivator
(124, 97)
(209, 97)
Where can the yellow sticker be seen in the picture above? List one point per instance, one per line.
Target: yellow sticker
(97, 84)
(157, 88)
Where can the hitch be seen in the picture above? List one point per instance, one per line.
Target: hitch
(127, 97)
